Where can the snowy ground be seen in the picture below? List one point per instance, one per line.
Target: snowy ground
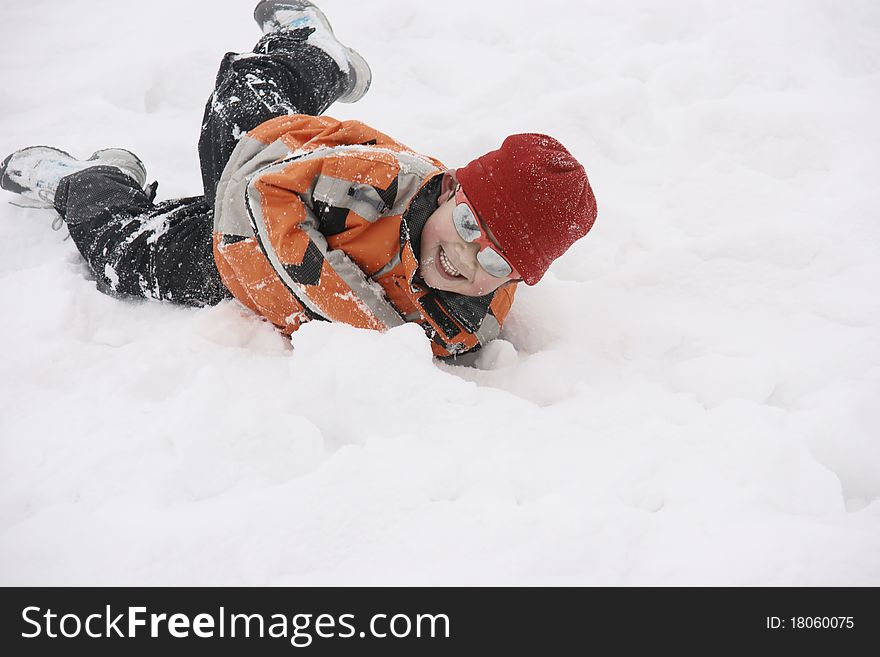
(689, 397)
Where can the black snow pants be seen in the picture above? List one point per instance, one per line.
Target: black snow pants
(139, 248)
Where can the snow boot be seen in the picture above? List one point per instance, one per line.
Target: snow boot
(274, 15)
(35, 172)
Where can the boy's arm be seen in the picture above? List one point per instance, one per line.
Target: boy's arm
(325, 281)
(456, 332)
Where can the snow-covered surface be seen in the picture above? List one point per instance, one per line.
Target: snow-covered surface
(689, 397)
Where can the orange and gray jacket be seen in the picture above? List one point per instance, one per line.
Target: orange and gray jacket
(320, 219)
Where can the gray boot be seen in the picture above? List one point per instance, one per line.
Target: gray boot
(35, 172)
(274, 15)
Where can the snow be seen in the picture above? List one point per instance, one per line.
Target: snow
(690, 396)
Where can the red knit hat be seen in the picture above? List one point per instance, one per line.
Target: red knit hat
(534, 197)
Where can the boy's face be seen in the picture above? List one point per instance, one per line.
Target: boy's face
(446, 261)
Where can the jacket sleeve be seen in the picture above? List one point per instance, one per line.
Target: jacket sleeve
(464, 327)
(280, 203)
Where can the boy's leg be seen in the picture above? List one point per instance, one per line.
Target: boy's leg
(285, 74)
(136, 248)
(165, 251)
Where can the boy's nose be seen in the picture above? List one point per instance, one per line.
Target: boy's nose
(469, 260)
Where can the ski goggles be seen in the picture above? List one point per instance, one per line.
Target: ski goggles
(469, 228)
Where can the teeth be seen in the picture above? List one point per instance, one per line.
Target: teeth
(447, 266)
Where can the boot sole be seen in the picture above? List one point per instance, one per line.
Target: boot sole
(359, 64)
(126, 156)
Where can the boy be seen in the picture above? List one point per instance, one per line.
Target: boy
(305, 217)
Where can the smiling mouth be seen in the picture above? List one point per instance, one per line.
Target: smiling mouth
(446, 265)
